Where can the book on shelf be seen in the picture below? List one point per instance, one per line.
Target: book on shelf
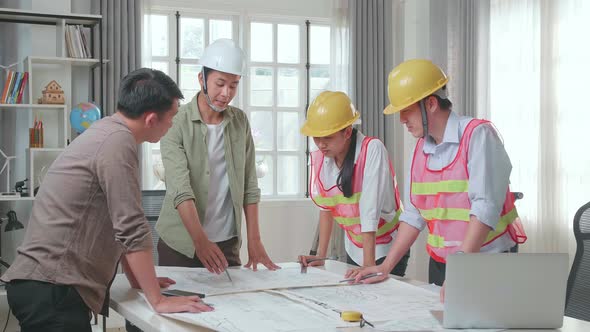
(77, 42)
(14, 87)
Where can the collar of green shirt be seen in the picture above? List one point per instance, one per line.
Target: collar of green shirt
(228, 114)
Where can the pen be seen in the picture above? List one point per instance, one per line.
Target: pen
(228, 276)
(322, 259)
(371, 275)
(304, 268)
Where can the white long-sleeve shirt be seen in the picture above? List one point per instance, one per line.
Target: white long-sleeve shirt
(378, 196)
(489, 170)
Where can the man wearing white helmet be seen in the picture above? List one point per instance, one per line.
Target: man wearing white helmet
(209, 158)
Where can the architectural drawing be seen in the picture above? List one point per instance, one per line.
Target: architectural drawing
(259, 311)
(200, 280)
(389, 300)
(392, 305)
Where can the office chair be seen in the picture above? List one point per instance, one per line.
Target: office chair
(577, 300)
(152, 200)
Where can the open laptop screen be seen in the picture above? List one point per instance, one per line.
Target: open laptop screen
(505, 290)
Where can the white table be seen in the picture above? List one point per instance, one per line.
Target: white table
(129, 304)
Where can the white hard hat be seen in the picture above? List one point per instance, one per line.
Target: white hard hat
(225, 56)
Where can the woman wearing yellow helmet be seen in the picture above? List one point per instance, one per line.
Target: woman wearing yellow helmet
(353, 183)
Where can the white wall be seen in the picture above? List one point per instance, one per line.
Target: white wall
(286, 228)
(44, 37)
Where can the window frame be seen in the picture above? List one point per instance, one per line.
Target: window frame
(241, 33)
(275, 153)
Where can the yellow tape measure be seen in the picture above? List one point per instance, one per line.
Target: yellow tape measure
(351, 316)
(354, 316)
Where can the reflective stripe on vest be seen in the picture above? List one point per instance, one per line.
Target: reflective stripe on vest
(433, 188)
(441, 197)
(384, 228)
(345, 210)
(505, 220)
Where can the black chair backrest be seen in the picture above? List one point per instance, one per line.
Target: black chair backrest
(577, 303)
(152, 200)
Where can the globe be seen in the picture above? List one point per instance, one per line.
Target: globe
(83, 115)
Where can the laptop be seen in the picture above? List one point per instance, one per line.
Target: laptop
(504, 291)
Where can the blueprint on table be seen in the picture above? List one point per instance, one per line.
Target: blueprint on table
(391, 305)
(291, 301)
(259, 311)
(199, 280)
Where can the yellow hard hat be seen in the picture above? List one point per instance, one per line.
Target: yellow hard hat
(330, 112)
(412, 81)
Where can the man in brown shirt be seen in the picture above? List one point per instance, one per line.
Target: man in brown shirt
(88, 215)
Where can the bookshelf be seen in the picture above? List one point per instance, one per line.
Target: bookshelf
(32, 17)
(79, 62)
(29, 106)
(77, 78)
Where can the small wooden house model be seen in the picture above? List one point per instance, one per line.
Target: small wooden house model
(53, 94)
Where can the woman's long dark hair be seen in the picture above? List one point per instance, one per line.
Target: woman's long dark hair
(344, 181)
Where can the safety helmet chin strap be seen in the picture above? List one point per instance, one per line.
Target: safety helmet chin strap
(424, 118)
(213, 107)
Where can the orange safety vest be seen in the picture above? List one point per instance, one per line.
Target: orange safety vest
(345, 210)
(442, 198)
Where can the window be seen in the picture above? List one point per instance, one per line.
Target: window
(160, 26)
(272, 93)
(275, 104)
(195, 31)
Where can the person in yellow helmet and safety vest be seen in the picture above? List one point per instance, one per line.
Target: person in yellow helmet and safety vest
(458, 179)
(353, 183)
(209, 160)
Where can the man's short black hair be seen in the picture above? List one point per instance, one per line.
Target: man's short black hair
(145, 90)
(443, 103)
(207, 70)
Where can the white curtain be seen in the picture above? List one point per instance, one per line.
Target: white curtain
(538, 65)
(523, 65)
(372, 55)
(340, 70)
(121, 45)
(340, 80)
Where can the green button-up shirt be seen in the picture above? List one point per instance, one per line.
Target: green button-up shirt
(185, 157)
